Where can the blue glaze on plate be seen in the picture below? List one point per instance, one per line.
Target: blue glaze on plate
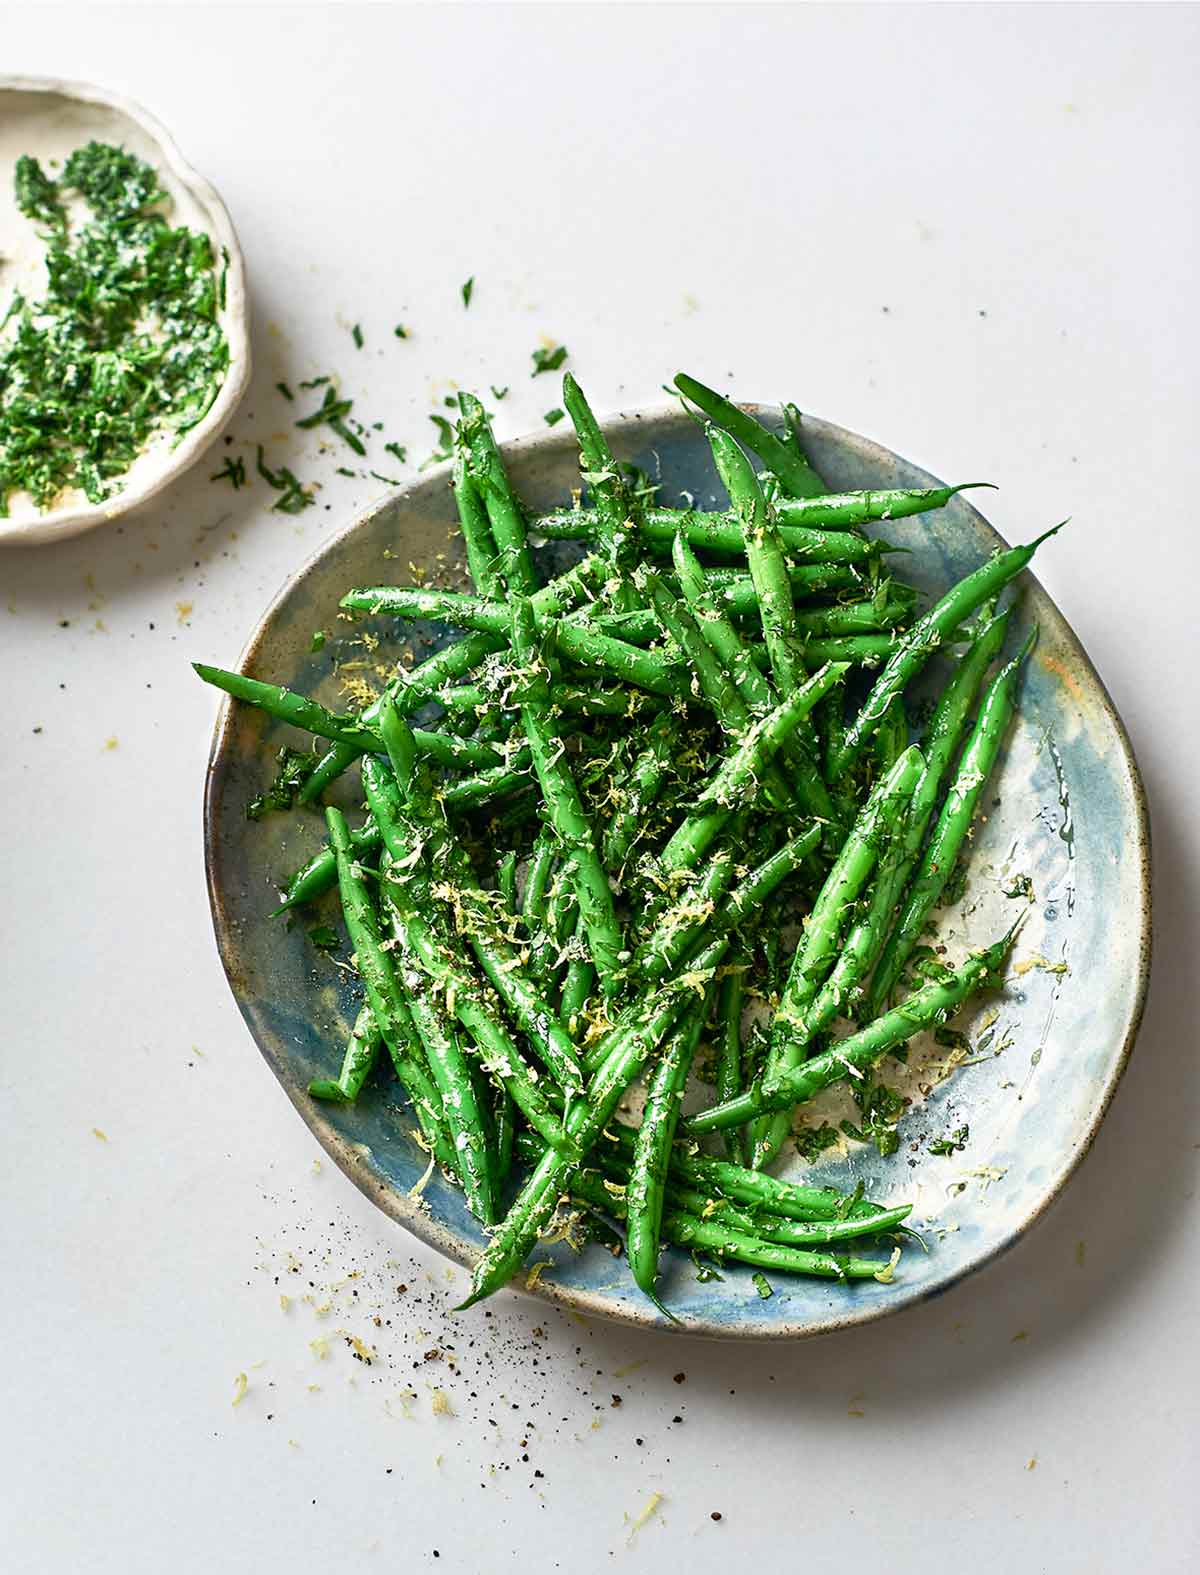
(1066, 808)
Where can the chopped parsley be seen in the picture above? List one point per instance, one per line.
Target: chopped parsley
(286, 392)
(445, 448)
(293, 499)
(398, 451)
(400, 331)
(233, 471)
(881, 1108)
(954, 1144)
(356, 334)
(499, 393)
(125, 342)
(294, 767)
(388, 481)
(332, 413)
(548, 360)
(315, 382)
(813, 1141)
(468, 290)
(553, 417)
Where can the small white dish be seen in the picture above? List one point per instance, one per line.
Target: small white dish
(50, 119)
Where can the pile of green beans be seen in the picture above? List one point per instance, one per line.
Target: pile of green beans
(647, 831)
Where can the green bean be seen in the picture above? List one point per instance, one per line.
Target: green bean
(614, 506)
(448, 1063)
(891, 740)
(768, 1227)
(953, 823)
(737, 774)
(926, 636)
(499, 1053)
(710, 683)
(729, 648)
(738, 771)
(564, 808)
(312, 717)
(854, 1057)
(867, 935)
(714, 533)
(586, 644)
(626, 1048)
(645, 782)
(764, 553)
(566, 699)
(814, 954)
(486, 469)
(362, 1051)
(477, 532)
(848, 510)
(319, 875)
(730, 1000)
(537, 877)
(791, 467)
(577, 986)
(686, 1230)
(757, 1189)
(384, 996)
(409, 690)
(506, 881)
(652, 1148)
(641, 627)
(473, 792)
(696, 918)
(504, 1134)
(471, 906)
(812, 1233)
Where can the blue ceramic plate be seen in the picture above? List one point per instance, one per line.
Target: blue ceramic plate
(1064, 819)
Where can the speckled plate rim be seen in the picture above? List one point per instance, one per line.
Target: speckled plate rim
(620, 427)
(60, 524)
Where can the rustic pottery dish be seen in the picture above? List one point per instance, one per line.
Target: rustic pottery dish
(50, 119)
(1065, 821)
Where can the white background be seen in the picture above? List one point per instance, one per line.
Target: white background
(970, 233)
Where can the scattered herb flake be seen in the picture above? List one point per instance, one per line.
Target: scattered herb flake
(813, 1141)
(468, 290)
(315, 382)
(332, 413)
(445, 448)
(294, 766)
(325, 938)
(293, 499)
(398, 451)
(499, 393)
(233, 471)
(356, 334)
(388, 481)
(553, 417)
(400, 331)
(318, 640)
(953, 1144)
(548, 360)
(285, 391)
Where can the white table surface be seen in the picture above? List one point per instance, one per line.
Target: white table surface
(971, 233)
